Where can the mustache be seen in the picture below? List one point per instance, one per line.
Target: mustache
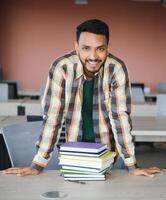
(96, 60)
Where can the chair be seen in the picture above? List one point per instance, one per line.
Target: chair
(161, 87)
(161, 105)
(20, 141)
(137, 95)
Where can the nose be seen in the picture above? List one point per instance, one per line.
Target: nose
(93, 55)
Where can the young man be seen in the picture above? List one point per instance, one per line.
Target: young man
(89, 90)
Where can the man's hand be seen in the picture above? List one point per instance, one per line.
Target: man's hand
(150, 172)
(22, 171)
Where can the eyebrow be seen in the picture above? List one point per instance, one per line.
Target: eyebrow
(84, 45)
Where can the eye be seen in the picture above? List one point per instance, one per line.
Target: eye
(101, 49)
(85, 48)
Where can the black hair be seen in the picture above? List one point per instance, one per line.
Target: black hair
(93, 26)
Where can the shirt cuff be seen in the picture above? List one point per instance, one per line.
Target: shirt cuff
(130, 163)
(130, 168)
(37, 167)
(39, 162)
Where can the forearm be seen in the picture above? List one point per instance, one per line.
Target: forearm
(53, 119)
(119, 113)
(124, 142)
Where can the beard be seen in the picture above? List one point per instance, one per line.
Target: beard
(86, 62)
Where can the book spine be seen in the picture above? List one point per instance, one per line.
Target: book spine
(84, 164)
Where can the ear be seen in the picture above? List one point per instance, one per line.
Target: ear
(109, 48)
(76, 46)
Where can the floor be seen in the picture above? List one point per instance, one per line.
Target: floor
(151, 154)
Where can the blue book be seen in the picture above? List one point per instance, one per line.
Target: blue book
(83, 147)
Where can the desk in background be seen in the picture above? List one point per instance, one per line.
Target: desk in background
(120, 186)
(144, 110)
(152, 129)
(10, 107)
(33, 107)
(20, 107)
(32, 94)
(149, 129)
(151, 97)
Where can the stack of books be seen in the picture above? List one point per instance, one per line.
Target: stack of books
(85, 161)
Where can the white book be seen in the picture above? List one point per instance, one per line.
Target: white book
(106, 156)
(69, 171)
(80, 163)
(84, 169)
(84, 175)
(85, 179)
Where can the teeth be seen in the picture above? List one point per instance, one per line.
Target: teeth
(91, 62)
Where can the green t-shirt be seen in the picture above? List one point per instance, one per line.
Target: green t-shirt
(87, 112)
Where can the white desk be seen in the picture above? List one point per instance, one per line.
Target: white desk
(121, 186)
(10, 107)
(29, 93)
(151, 97)
(150, 129)
(32, 107)
(151, 94)
(145, 109)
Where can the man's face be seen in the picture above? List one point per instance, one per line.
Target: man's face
(92, 50)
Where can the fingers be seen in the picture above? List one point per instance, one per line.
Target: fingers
(25, 172)
(21, 171)
(13, 170)
(153, 170)
(149, 172)
(29, 171)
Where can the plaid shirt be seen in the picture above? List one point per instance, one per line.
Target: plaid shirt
(111, 108)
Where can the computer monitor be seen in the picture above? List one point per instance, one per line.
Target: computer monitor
(12, 89)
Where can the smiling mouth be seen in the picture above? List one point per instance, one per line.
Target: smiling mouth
(93, 62)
